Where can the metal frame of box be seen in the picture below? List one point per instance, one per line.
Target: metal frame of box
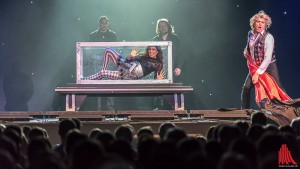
(79, 61)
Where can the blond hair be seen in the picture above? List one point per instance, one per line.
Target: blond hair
(261, 14)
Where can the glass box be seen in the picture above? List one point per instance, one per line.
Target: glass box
(94, 61)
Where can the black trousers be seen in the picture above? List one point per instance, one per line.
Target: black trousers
(248, 85)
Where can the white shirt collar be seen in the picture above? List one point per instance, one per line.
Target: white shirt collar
(261, 33)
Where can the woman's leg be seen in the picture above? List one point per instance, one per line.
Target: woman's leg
(113, 75)
(110, 55)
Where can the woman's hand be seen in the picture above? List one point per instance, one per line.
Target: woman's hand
(134, 52)
(161, 75)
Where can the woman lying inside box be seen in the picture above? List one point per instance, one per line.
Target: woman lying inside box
(133, 67)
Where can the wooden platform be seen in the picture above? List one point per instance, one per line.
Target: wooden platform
(77, 93)
(194, 122)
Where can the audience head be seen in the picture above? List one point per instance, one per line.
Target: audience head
(242, 125)
(188, 146)
(123, 149)
(145, 130)
(211, 133)
(146, 149)
(245, 147)
(38, 146)
(94, 133)
(36, 132)
(74, 136)
(296, 125)
(255, 132)
(78, 123)
(269, 143)
(26, 129)
(258, 118)
(106, 138)
(227, 133)
(65, 126)
(2, 127)
(174, 135)
(125, 132)
(271, 128)
(287, 129)
(163, 129)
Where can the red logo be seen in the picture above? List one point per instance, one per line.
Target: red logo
(285, 158)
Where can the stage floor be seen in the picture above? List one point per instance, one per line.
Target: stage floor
(194, 122)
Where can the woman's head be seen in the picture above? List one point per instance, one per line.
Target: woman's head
(154, 52)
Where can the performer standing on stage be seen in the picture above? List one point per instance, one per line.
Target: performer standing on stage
(260, 45)
(165, 32)
(103, 34)
(263, 74)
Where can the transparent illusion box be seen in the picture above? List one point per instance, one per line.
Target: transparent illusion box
(90, 59)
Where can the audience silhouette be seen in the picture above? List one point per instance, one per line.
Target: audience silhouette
(242, 144)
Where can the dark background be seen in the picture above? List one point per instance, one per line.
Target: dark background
(41, 35)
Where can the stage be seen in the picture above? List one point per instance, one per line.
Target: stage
(194, 122)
